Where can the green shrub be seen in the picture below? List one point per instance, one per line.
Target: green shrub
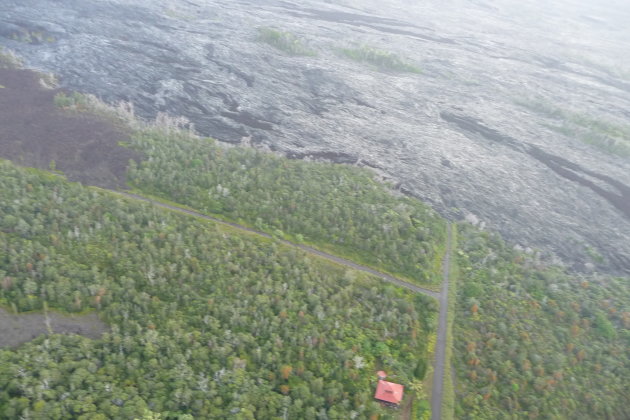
(73, 100)
(605, 135)
(32, 37)
(383, 60)
(284, 41)
(8, 60)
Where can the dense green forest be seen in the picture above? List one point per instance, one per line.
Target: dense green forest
(532, 341)
(339, 208)
(205, 321)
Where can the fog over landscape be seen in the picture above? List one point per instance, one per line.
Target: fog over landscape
(510, 114)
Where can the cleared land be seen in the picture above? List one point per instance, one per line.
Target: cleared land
(20, 328)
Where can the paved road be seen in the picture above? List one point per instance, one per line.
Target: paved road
(306, 248)
(440, 349)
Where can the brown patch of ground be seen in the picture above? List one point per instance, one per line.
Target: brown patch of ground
(34, 132)
(18, 329)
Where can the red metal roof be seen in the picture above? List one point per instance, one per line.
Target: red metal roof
(389, 392)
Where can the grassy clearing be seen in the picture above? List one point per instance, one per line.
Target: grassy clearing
(383, 60)
(284, 41)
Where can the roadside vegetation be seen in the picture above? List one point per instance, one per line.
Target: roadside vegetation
(607, 136)
(532, 341)
(71, 100)
(338, 208)
(205, 321)
(382, 60)
(284, 41)
(448, 397)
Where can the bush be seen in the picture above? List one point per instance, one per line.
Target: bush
(610, 137)
(8, 60)
(74, 100)
(383, 60)
(284, 41)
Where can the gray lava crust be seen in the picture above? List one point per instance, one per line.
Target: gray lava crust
(457, 135)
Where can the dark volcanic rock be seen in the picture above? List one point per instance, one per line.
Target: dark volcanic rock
(35, 133)
(455, 135)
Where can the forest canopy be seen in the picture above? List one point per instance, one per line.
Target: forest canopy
(338, 208)
(533, 341)
(204, 321)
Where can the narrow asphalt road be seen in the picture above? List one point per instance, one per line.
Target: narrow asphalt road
(440, 349)
(306, 248)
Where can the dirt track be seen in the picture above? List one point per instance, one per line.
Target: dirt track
(308, 249)
(442, 296)
(33, 132)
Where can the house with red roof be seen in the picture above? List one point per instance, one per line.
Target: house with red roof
(388, 393)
